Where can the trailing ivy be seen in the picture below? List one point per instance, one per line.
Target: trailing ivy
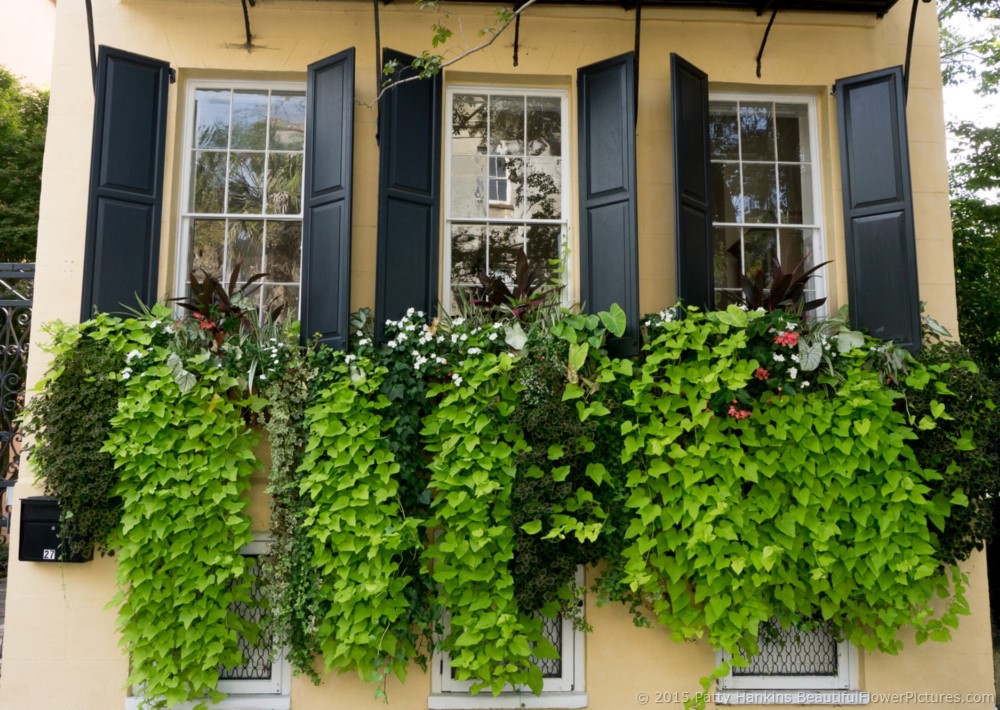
(70, 418)
(185, 455)
(289, 582)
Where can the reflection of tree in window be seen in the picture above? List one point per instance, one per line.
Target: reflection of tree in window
(245, 188)
(505, 176)
(761, 182)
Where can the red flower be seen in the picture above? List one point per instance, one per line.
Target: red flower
(787, 338)
(738, 413)
(761, 374)
(206, 325)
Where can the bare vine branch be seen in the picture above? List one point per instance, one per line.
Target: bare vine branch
(494, 34)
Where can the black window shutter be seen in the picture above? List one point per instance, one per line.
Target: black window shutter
(609, 263)
(878, 206)
(693, 210)
(408, 196)
(326, 229)
(126, 182)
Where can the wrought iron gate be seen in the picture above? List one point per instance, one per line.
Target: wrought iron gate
(16, 287)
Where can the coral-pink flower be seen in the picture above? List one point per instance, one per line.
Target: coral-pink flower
(787, 338)
(761, 374)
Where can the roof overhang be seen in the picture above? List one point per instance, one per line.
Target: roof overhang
(874, 7)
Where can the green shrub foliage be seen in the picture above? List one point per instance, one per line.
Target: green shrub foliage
(443, 487)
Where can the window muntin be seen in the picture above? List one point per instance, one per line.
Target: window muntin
(764, 181)
(506, 183)
(242, 197)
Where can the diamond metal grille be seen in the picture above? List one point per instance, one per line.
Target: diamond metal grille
(785, 652)
(257, 656)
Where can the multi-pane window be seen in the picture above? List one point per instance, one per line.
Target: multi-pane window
(506, 173)
(243, 202)
(765, 189)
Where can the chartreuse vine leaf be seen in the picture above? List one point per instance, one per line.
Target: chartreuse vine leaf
(197, 577)
(615, 320)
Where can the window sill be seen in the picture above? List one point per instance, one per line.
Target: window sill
(485, 701)
(233, 702)
(791, 697)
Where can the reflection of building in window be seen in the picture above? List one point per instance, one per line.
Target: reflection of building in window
(765, 189)
(505, 183)
(499, 184)
(242, 189)
(798, 662)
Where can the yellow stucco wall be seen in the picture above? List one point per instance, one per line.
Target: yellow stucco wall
(60, 648)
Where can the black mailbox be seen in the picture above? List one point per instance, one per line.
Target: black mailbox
(40, 532)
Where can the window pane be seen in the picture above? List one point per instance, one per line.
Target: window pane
(209, 192)
(757, 131)
(725, 186)
(544, 181)
(544, 249)
(249, 120)
(507, 125)
(284, 183)
(207, 244)
(795, 208)
(544, 126)
(506, 187)
(283, 254)
(793, 247)
(246, 182)
(726, 264)
(504, 244)
(288, 121)
(760, 192)
(468, 124)
(793, 133)
(468, 254)
(468, 186)
(723, 132)
(211, 118)
(246, 247)
(283, 298)
(760, 252)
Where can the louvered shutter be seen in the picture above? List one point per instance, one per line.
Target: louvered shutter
(878, 206)
(326, 229)
(126, 182)
(608, 242)
(408, 196)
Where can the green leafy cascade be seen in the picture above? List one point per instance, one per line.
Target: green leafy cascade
(747, 468)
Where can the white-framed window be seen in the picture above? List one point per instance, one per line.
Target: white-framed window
(795, 667)
(765, 184)
(241, 192)
(264, 681)
(506, 183)
(563, 683)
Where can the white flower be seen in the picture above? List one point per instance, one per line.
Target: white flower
(457, 321)
(777, 357)
(350, 358)
(457, 379)
(409, 312)
(646, 324)
(743, 307)
(132, 355)
(402, 337)
(492, 336)
(263, 377)
(391, 344)
(497, 326)
(463, 337)
(790, 326)
(474, 351)
(363, 342)
(454, 337)
(126, 373)
(805, 383)
(793, 372)
(440, 360)
(153, 324)
(794, 357)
